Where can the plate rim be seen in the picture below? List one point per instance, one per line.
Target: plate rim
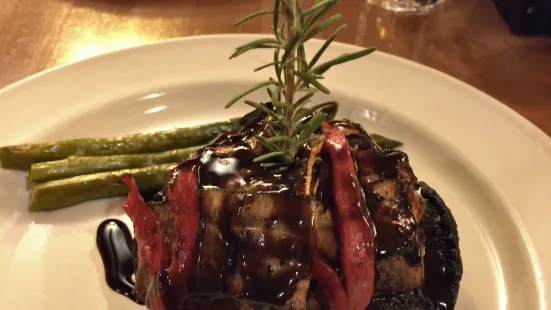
(488, 98)
(542, 139)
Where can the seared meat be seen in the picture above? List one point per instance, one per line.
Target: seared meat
(326, 240)
(215, 253)
(259, 230)
(390, 197)
(400, 247)
(251, 244)
(298, 299)
(209, 303)
(443, 266)
(396, 274)
(395, 208)
(260, 246)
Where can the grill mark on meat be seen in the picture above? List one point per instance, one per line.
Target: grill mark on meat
(388, 198)
(258, 241)
(255, 246)
(215, 253)
(396, 208)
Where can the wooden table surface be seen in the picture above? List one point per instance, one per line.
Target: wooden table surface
(464, 38)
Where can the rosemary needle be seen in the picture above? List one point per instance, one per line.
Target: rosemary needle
(297, 79)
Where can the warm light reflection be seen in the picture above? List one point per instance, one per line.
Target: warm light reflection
(155, 109)
(380, 27)
(224, 166)
(372, 115)
(151, 96)
(90, 43)
(32, 244)
(382, 32)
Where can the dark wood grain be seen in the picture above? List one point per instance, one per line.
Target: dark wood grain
(464, 38)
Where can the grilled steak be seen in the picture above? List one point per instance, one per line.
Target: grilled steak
(443, 265)
(396, 208)
(256, 246)
(259, 232)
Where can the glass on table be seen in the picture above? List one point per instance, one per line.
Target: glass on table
(407, 6)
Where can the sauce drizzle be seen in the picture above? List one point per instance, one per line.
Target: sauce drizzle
(114, 243)
(226, 165)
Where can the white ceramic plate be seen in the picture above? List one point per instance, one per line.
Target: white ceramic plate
(490, 165)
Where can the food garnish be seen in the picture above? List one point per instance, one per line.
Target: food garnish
(356, 230)
(284, 208)
(78, 178)
(62, 193)
(80, 165)
(339, 229)
(22, 156)
(292, 121)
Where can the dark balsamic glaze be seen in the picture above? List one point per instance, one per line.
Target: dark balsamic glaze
(114, 243)
(443, 266)
(439, 277)
(289, 254)
(227, 163)
(396, 229)
(245, 272)
(235, 170)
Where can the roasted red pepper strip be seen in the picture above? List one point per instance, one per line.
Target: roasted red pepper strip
(183, 198)
(355, 230)
(329, 286)
(147, 230)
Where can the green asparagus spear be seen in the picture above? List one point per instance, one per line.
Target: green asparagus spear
(22, 156)
(81, 165)
(67, 192)
(385, 143)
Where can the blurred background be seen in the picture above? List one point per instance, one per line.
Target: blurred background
(499, 46)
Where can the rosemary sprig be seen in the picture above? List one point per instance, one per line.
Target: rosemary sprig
(292, 122)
